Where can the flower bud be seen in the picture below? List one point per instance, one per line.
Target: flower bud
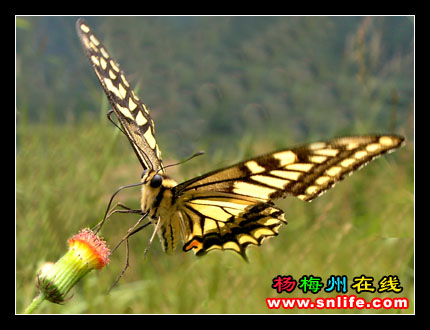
(86, 252)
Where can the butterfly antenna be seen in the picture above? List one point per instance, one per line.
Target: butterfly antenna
(196, 154)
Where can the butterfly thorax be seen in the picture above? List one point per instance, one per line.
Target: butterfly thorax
(157, 199)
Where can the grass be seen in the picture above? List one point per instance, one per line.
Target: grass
(65, 175)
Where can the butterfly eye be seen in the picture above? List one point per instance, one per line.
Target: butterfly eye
(156, 181)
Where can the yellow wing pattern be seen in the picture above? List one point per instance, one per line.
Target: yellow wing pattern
(232, 207)
(128, 108)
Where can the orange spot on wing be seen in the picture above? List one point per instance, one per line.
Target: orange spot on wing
(193, 244)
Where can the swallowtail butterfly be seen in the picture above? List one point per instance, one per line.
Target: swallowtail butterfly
(229, 208)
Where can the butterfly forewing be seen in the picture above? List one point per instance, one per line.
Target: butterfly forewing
(232, 207)
(304, 172)
(128, 108)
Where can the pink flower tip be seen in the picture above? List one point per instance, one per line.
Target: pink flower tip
(90, 247)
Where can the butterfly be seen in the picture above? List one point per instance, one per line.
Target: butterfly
(233, 207)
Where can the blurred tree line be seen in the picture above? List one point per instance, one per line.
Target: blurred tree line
(208, 80)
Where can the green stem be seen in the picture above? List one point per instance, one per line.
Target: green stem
(35, 303)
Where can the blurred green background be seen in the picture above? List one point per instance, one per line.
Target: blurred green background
(235, 87)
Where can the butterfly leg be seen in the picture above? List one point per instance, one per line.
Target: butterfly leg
(125, 209)
(115, 209)
(109, 114)
(109, 211)
(151, 239)
(133, 230)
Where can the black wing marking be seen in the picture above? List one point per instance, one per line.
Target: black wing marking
(304, 172)
(232, 208)
(128, 108)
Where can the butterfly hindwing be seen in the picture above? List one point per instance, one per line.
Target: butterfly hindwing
(128, 108)
(232, 207)
(228, 222)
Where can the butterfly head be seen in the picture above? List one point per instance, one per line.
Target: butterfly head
(152, 178)
(155, 185)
